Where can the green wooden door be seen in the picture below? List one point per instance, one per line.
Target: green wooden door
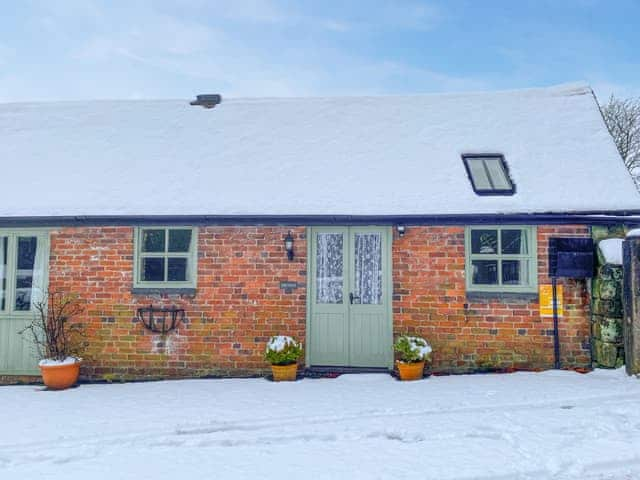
(349, 314)
(24, 260)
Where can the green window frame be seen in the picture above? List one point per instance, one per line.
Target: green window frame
(165, 257)
(499, 259)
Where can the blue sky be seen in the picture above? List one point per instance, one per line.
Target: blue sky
(84, 49)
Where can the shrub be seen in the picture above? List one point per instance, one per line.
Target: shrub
(282, 350)
(412, 349)
(52, 331)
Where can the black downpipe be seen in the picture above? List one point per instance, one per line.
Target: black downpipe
(556, 333)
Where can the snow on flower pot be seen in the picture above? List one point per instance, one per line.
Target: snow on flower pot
(283, 353)
(414, 353)
(58, 375)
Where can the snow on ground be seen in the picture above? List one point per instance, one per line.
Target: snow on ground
(556, 424)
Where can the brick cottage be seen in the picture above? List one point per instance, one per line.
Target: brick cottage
(340, 221)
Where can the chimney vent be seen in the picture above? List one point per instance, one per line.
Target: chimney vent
(207, 101)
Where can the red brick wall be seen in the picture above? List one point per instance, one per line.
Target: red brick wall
(239, 303)
(430, 300)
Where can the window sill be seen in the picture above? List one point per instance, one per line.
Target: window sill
(506, 296)
(163, 291)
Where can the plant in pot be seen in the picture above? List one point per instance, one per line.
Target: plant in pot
(58, 341)
(283, 353)
(413, 353)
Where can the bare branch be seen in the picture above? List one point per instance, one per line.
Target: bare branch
(52, 331)
(623, 120)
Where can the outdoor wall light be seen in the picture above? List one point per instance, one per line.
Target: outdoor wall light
(401, 229)
(288, 245)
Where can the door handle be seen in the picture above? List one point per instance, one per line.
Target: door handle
(353, 297)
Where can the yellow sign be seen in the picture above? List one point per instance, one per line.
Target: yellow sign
(546, 300)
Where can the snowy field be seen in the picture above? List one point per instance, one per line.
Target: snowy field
(512, 426)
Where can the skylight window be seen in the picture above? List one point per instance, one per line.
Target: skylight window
(488, 174)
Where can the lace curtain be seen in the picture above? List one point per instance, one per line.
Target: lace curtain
(329, 268)
(368, 268)
(3, 271)
(39, 266)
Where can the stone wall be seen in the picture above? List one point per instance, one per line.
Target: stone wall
(607, 311)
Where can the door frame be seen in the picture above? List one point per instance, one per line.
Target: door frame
(44, 234)
(387, 281)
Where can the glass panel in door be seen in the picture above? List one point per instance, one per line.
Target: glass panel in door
(23, 274)
(4, 254)
(367, 271)
(329, 268)
(29, 273)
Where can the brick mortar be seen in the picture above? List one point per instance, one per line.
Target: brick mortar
(469, 334)
(238, 304)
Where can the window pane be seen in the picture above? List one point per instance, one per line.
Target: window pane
(514, 272)
(514, 242)
(484, 272)
(4, 247)
(153, 240)
(179, 240)
(177, 269)
(489, 175)
(368, 268)
(329, 268)
(498, 176)
(484, 241)
(478, 174)
(26, 259)
(152, 270)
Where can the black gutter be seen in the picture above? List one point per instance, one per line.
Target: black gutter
(582, 218)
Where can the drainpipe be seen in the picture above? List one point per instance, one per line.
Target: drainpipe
(556, 333)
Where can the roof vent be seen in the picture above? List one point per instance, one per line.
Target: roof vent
(207, 101)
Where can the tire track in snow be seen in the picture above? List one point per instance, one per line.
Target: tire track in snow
(14, 454)
(252, 425)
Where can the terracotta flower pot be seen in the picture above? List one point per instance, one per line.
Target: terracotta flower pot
(59, 377)
(410, 371)
(284, 373)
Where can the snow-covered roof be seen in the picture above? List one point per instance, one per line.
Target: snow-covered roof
(387, 155)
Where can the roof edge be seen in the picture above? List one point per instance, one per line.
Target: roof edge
(587, 218)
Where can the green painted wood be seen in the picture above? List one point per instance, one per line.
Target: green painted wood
(17, 353)
(191, 256)
(345, 334)
(531, 259)
(370, 325)
(328, 332)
